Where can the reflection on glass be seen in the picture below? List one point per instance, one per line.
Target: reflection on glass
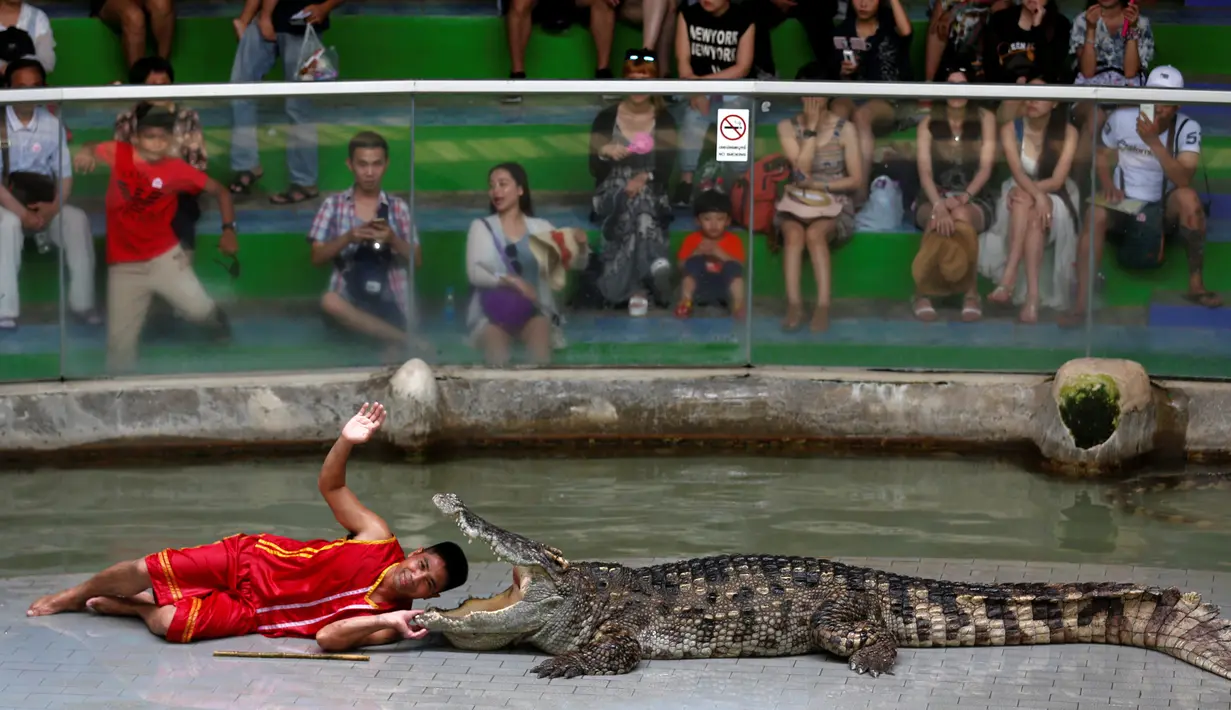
(34, 203)
(817, 210)
(1150, 208)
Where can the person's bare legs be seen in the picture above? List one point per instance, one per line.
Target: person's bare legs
(157, 618)
(866, 118)
(737, 296)
(536, 334)
(818, 248)
(360, 321)
(162, 24)
(496, 344)
(1035, 241)
(1021, 213)
(936, 41)
(123, 579)
(602, 29)
(518, 26)
(792, 264)
(129, 17)
(1076, 314)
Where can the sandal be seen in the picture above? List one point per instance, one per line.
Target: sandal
(242, 182)
(1001, 294)
(972, 310)
(294, 195)
(684, 309)
(1209, 299)
(922, 306)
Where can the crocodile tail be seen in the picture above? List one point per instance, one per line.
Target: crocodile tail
(1178, 623)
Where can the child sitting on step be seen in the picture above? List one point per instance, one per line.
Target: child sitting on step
(712, 259)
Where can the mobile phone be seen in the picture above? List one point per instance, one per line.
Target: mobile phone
(1147, 110)
(299, 17)
(848, 56)
(379, 222)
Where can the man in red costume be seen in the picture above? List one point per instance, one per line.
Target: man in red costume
(350, 592)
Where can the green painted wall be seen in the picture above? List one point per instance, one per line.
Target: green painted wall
(375, 47)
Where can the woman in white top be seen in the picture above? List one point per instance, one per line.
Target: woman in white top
(498, 256)
(1037, 209)
(24, 16)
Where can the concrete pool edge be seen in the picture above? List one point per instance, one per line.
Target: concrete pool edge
(466, 408)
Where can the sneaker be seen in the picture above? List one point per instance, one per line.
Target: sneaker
(638, 306)
(8, 324)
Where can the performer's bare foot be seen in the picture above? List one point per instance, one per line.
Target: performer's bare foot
(67, 600)
(118, 606)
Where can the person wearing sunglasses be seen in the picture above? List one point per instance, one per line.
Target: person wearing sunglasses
(632, 153)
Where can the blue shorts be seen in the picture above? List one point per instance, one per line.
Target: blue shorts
(713, 280)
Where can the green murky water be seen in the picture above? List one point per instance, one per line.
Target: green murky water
(76, 521)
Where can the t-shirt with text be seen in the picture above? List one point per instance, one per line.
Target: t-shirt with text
(1138, 171)
(714, 40)
(141, 202)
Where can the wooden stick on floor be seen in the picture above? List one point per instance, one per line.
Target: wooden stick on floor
(273, 654)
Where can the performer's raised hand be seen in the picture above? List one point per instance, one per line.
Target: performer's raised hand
(361, 426)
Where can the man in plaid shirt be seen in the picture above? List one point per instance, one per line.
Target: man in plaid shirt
(368, 237)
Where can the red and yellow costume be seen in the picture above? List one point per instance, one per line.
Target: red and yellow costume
(268, 584)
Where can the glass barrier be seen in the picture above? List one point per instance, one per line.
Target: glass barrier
(679, 230)
(904, 238)
(186, 291)
(47, 274)
(551, 199)
(1157, 242)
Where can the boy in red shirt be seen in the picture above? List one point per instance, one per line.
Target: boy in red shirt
(712, 259)
(144, 256)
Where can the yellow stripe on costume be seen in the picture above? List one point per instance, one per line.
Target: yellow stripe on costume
(307, 552)
(368, 597)
(191, 625)
(164, 559)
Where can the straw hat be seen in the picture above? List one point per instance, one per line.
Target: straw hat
(559, 251)
(946, 265)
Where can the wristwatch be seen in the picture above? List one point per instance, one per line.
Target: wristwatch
(231, 226)
(809, 133)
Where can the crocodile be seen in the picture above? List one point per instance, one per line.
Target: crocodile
(603, 618)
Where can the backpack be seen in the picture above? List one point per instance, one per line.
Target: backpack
(768, 176)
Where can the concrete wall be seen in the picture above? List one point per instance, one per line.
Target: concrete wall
(66, 424)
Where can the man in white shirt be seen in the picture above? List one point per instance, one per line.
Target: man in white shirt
(1156, 162)
(36, 145)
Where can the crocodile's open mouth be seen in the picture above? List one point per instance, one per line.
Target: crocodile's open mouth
(515, 593)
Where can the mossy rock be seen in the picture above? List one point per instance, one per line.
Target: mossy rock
(1090, 408)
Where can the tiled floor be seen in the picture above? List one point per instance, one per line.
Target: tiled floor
(94, 662)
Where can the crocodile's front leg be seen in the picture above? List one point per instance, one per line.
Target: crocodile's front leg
(853, 627)
(613, 651)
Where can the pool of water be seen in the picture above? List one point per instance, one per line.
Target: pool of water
(76, 521)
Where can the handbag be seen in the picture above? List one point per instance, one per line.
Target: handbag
(506, 306)
(27, 187)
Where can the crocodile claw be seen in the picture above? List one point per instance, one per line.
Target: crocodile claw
(559, 667)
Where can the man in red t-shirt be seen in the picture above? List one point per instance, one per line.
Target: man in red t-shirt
(711, 259)
(144, 256)
(348, 592)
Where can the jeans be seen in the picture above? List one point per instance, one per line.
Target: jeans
(253, 59)
(695, 126)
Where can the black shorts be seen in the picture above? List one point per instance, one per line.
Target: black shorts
(1140, 239)
(713, 280)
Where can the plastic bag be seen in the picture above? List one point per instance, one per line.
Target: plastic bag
(883, 211)
(316, 61)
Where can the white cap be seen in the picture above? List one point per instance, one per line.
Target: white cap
(1167, 77)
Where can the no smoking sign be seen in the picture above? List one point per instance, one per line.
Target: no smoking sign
(732, 135)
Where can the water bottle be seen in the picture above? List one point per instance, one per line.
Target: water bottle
(449, 306)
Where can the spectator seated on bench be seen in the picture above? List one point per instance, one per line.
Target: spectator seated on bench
(368, 237)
